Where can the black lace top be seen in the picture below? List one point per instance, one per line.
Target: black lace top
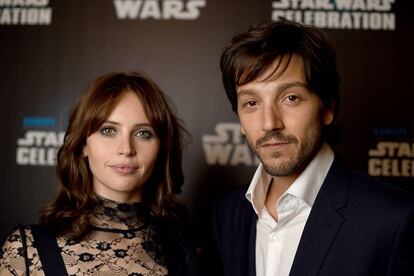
(124, 241)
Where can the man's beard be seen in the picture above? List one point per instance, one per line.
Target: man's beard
(294, 163)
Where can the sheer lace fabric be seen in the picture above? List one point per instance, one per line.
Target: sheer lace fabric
(123, 242)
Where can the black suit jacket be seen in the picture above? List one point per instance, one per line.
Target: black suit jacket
(357, 226)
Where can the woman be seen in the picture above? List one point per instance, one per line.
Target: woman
(118, 170)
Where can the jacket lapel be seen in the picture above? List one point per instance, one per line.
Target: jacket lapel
(324, 222)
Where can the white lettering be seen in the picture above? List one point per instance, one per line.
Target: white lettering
(151, 9)
(37, 3)
(217, 153)
(156, 9)
(172, 9)
(375, 21)
(5, 3)
(36, 156)
(307, 4)
(281, 4)
(241, 155)
(359, 5)
(388, 21)
(194, 9)
(364, 5)
(320, 19)
(227, 147)
(333, 20)
(346, 21)
(339, 20)
(386, 165)
(357, 19)
(24, 3)
(41, 138)
(405, 150)
(229, 154)
(374, 167)
(25, 16)
(343, 4)
(222, 130)
(19, 3)
(127, 9)
(324, 5)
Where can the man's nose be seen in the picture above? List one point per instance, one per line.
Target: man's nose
(272, 118)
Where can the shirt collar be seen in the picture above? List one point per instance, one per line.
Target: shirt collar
(305, 187)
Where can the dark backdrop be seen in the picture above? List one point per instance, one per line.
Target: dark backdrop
(51, 50)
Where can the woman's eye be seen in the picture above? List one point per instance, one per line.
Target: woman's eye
(108, 131)
(145, 134)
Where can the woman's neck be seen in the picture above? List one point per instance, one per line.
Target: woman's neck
(118, 215)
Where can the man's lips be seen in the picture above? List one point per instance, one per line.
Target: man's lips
(275, 139)
(274, 144)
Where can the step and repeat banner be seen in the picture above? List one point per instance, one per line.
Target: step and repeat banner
(50, 50)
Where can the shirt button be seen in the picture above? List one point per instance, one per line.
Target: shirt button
(276, 236)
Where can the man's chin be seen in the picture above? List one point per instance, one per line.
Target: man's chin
(279, 167)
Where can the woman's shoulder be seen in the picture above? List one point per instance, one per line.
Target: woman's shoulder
(17, 241)
(18, 252)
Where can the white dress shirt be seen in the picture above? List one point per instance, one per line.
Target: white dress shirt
(277, 241)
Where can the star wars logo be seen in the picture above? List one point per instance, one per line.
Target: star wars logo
(338, 14)
(25, 12)
(39, 145)
(392, 159)
(159, 10)
(227, 147)
(39, 148)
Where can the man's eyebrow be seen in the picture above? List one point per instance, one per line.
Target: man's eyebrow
(280, 88)
(246, 92)
(285, 86)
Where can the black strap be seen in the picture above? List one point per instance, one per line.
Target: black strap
(24, 245)
(49, 252)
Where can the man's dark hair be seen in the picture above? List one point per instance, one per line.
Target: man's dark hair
(250, 54)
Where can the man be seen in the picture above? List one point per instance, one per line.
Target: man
(304, 212)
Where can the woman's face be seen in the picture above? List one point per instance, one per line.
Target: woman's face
(123, 151)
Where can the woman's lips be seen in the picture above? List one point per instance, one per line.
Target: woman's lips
(124, 169)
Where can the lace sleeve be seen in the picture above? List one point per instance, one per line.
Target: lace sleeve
(13, 254)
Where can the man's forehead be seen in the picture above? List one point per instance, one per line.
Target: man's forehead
(290, 66)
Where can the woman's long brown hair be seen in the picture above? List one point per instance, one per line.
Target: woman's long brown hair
(68, 213)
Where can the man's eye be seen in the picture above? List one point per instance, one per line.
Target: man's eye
(108, 131)
(251, 103)
(292, 98)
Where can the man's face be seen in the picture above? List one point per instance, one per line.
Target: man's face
(282, 119)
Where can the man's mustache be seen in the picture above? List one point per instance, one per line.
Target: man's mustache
(276, 135)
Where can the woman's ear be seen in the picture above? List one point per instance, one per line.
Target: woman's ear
(85, 152)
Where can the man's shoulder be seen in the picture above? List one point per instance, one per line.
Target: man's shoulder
(233, 204)
(367, 190)
(233, 198)
(378, 190)
(234, 218)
